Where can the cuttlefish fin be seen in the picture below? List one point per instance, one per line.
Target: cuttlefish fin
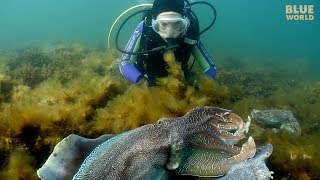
(68, 155)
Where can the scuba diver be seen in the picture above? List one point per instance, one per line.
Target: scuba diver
(169, 25)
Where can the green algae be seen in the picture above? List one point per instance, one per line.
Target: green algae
(6, 88)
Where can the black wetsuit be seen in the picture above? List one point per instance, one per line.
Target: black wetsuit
(152, 64)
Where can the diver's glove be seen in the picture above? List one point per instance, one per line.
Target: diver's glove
(196, 85)
(142, 80)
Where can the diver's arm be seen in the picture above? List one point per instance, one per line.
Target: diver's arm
(204, 60)
(127, 69)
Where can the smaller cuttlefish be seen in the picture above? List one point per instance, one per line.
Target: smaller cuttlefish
(277, 119)
(179, 145)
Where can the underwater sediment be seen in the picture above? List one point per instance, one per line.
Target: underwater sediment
(48, 93)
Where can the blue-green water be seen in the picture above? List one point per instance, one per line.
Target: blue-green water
(243, 28)
(256, 30)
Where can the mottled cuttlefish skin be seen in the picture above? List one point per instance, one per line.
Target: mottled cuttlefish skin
(277, 119)
(252, 169)
(150, 151)
(215, 159)
(231, 122)
(68, 155)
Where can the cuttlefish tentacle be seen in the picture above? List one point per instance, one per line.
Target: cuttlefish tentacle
(230, 122)
(229, 117)
(205, 141)
(244, 129)
(229, 138)
(227, 126)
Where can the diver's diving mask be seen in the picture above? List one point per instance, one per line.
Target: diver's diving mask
(169, 25)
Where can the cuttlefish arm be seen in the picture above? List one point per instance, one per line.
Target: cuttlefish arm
(248, 150)
(68, 155)
(208, 152)
(228, 121)
(231, 122)
(214, 163)
(207, 142)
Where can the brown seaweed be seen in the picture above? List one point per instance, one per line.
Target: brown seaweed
(50, 93)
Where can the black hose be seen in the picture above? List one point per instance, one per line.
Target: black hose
(207, 28)
(214, 11)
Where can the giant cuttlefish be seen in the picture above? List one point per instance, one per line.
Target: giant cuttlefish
(200, 143)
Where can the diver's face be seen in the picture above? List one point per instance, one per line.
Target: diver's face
(163, 25)
(169, 24)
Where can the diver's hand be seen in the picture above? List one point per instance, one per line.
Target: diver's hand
(196, 85)
(142, 80)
